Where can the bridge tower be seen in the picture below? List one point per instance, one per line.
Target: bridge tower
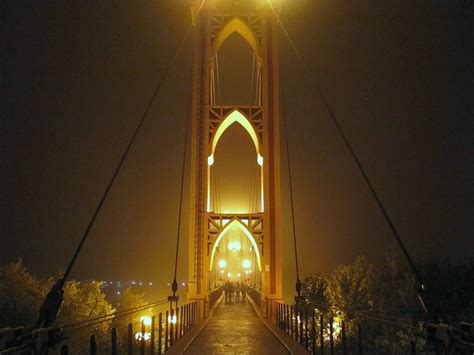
(215, 21)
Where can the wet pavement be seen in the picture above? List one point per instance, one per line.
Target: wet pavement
(235, 328)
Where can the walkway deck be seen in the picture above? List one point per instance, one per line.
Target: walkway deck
(235, 328)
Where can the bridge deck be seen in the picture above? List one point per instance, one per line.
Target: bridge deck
(235, 328)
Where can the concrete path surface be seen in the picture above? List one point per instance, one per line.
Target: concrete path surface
(235, 328)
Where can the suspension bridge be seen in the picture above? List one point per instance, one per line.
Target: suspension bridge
(231, 245)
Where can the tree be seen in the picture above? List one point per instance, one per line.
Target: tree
(314, 291)
(82, 301)
(128, 300)
(21, 295)
(348, 289)
(393, 291)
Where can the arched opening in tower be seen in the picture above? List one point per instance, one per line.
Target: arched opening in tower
(235, 258)
(235, 185)
(235, 78)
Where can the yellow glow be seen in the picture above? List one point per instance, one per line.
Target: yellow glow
(142, 336)
(235, 116)
(239, 26)
(210, 160)
(146, 320)
(234, 246)
(229, 274)
(261, 190)
(228, 226)
(238, 275)
(222, 271)
(222, 264)
(246, 264)
(336, 327)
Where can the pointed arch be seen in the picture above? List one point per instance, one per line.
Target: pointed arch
(235, 116)
(236, 223)
(236, 24)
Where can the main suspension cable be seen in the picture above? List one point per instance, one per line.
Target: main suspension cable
(53, 300)
(122, 159)
(422, 288)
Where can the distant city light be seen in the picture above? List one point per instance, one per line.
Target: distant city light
(246, 263)
(238, 275)
(229, 274)
(222, 264)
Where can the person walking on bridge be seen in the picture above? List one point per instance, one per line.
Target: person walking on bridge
(238, 287)
(243, 290)
(227, 291)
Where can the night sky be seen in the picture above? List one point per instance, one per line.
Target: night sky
(76, 77)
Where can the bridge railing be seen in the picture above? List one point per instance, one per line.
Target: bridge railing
(317, 333)
(255, 295)
(214, 295)
(155, 338)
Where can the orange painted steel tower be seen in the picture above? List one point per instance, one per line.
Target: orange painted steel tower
(215, 21)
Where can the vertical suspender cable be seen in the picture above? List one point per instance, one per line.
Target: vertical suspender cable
(298, 281)
(174, 286)
(422, 288)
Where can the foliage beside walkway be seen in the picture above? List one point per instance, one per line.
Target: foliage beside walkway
(382, 298)
(21, 296)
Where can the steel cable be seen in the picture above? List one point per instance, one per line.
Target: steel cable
(358, 163)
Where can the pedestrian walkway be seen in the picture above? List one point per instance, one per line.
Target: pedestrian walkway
(235, 328)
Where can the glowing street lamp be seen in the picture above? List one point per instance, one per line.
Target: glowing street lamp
(146, 320)
(222, 264)
(246, 264)
(142, 336)
(234, 246)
